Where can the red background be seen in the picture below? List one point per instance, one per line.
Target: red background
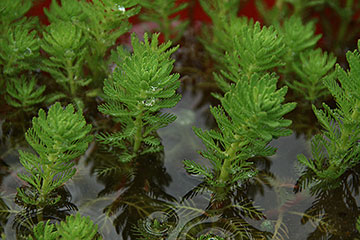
(195, 14)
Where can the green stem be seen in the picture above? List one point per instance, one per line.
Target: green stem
(138, 135)
(48, 175)
(71, 77)
(231, 153)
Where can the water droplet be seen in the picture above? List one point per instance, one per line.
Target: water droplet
(149, 102)
(159, 224)
(120, 8)
(28, 52)
(69, 53)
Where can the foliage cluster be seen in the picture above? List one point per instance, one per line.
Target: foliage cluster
(74, 49)
(141, 85)
(84, 229)
(250, 116)
(336, 150)
(58, 138)
(287, 47)
(254, 66)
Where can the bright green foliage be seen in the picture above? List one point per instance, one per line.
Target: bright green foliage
(161, 12)
(337, 149)
(43, 231)
(297, 36)
(19, 48)
(142, 84)
(312, 68)
(219, 39)
(58, 138)
(12, 10)
(256, 50)
(66, 45)
(101, 21)
(23, 93)
(107, 20)
(73, 228)
(250, 117)
(77, 227)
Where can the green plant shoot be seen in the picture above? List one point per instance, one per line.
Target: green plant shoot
(102, 22)
(256, 49)
(337, 149)
(19, 48)
(66, 45)
(57, 137)
(250, 116)
(74, 227)
(312, 68)
(11, 11)
(24, 94)
(142, 84)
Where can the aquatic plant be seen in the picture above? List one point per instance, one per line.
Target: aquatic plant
(74, 227)
(65, 44)
(142, 84)
(101, 23)
(250, 116)
(242, 47)
(71, 57)
(312, 68)
(57, 137)
(256, 49)
(23, 93)
(337, 148)
(12, 11)
(19, 50)
(217, 38)
(19, 44)
(44, 231)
